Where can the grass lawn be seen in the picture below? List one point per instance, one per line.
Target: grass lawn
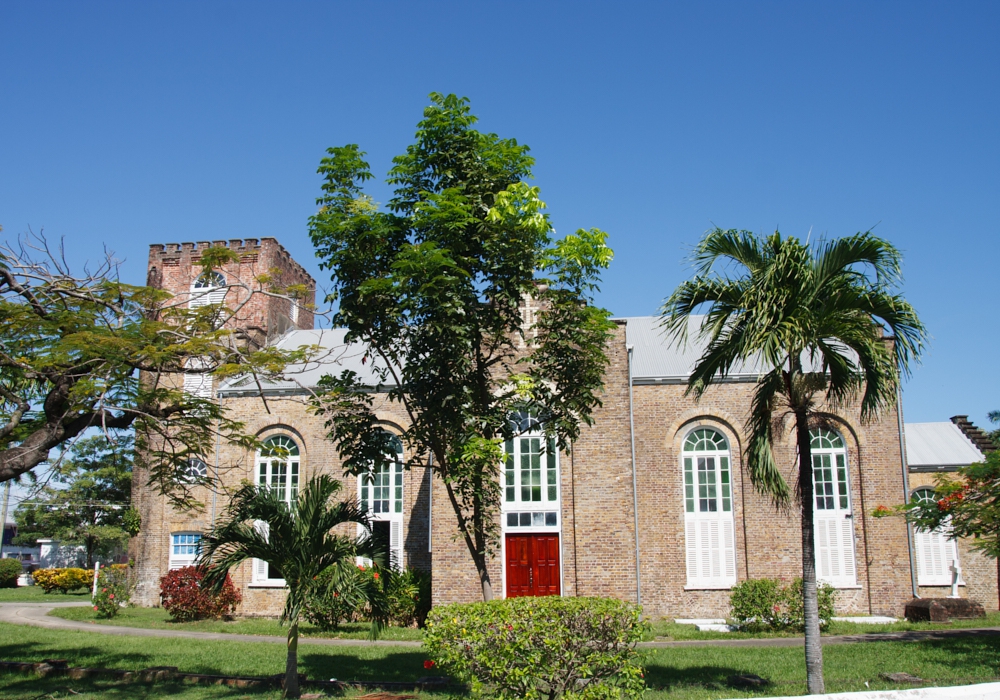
(663, 630)
(35, 594)
(667, 630)
(687, 673)
(158, 618)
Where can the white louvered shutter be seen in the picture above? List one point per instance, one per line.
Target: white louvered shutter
(935, 554)
(396, 544)
(711, 552)
(199, 385)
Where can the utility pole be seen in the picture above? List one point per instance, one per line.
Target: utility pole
(3, 518)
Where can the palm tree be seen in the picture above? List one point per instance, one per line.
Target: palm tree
(297, 539)
(813, 316)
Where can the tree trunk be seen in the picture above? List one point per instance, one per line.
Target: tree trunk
(810, 602)
(292, 663)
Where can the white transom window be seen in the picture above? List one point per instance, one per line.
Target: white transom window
(708, 510)
(832, 515)
(184, 548)
(936, 551)
(530, 477)
(380, 492)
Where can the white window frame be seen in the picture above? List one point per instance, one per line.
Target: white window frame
(523, 517)
(209, 288)
(935, 550)
(392, 473)
(189, 543)
(833, 528)
(709, 522)
(268, 472)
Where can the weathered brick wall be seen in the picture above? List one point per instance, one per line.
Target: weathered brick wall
(768, 542)
(280, 416)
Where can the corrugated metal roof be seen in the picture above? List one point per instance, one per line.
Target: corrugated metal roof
(333, 356)
(659, 357)
(938, 445)
(656, 357)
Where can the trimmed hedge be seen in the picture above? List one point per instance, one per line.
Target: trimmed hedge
(552, 647)
(10, 569)
(64, 580)
(763, 604)
(182, 595)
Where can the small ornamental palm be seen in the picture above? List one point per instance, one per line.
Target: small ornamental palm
(298, 540)
(813, 317)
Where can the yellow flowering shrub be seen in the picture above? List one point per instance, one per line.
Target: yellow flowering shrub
(63, 580)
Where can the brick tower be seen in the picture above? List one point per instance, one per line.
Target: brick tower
(173, 267)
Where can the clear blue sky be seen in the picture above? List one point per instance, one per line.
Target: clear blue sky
(134, 123)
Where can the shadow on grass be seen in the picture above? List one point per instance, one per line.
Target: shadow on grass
(74, 655)
(401, 666)
(27, 687)
(663, 677)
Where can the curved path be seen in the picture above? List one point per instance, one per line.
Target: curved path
(37, 615)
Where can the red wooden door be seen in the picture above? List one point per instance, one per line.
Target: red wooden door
(532, 565)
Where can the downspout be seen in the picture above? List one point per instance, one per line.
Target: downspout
(430, 500)
(906, 491)
(218, 440)
(635, 491)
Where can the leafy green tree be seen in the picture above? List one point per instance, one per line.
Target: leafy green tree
(813, 316)
(297, 539)
(89, 351)
(435, 288)
(968, 504)
(994, 417)
(85, 499)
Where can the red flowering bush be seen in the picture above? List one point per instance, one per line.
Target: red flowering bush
(113, 590)
(183, 596)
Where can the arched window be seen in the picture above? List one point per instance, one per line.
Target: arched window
(278, 467)
(832, 515)
(380, 492)
(209, 288)
(935, 550)
(195, 470)
(530, 475)
(708, 510)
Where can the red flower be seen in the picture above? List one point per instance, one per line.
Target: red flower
(95, 607)
(104, 590)
(428, 664)
(112, 596)
(510, 627)
(376, 576)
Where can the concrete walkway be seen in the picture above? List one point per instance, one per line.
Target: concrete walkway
(36, 615)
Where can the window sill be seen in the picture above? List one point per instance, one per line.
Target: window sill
(260, 584)
(710, 587)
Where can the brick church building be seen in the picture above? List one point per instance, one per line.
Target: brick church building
(651, 504)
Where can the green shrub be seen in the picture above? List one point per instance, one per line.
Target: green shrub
(765, 604)
(10, 569)
(756, 605)
(407, 596)
(113, 590)
(551, 647)
(64, 580)
(826, 595)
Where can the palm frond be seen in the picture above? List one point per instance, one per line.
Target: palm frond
(761, 467)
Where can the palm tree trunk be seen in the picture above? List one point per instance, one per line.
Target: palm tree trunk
(292, 663)
(810, 602)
